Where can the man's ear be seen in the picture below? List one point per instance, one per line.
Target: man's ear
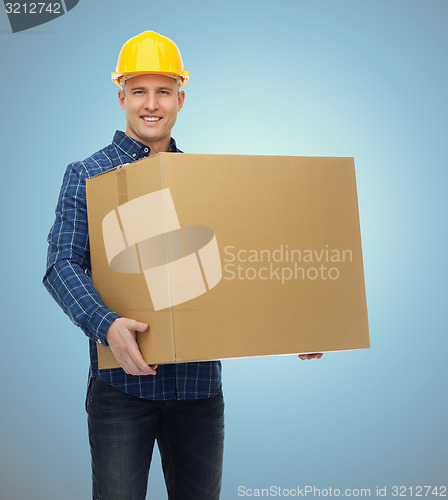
(121, 98)
(180, 100)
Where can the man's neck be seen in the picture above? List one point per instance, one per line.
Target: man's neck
(159, 148)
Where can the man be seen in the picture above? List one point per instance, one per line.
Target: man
(179, 405)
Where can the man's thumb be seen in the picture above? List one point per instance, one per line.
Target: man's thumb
(140, 327)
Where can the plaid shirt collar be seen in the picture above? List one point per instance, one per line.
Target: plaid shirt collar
(135, 149)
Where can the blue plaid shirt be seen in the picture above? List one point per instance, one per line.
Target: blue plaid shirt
(68, 279)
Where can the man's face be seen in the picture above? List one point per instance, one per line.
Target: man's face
(151, 104)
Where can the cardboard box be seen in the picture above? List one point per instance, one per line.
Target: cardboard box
(230, 256)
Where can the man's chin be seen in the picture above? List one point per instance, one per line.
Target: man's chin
(146, 138)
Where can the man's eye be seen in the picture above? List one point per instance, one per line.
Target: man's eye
(138, 92)
(164, 92)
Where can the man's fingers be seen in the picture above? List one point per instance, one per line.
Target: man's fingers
(139, 364)
(131, 367)
(316, 355)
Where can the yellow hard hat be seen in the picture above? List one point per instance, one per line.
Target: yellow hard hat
(150, 52)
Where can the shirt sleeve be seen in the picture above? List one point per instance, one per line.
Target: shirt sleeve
(68, 276)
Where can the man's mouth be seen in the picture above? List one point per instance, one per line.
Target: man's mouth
(151, 118)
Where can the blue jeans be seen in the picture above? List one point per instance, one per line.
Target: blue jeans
(122, 431)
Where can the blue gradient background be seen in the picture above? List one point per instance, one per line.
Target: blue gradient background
(336, 78)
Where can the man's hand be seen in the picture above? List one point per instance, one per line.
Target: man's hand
(121, 337)
(316, 355)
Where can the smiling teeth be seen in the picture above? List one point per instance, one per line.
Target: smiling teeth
(151, 118)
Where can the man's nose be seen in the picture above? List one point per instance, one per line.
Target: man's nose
(152, 102)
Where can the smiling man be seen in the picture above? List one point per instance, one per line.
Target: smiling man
(180, 405)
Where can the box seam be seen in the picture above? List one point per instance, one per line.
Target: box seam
(173, 336)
